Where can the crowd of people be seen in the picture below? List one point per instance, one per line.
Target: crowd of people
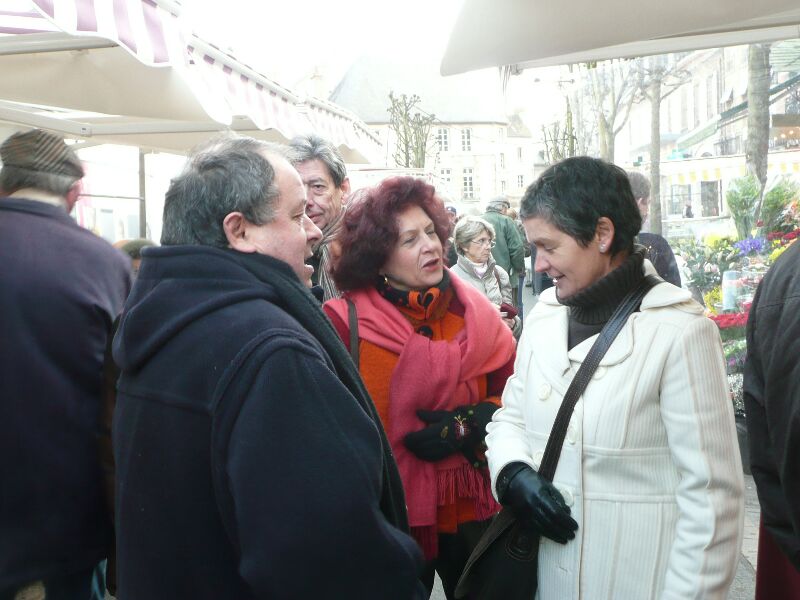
(310, 391)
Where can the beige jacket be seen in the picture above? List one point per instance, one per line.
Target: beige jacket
(650, 467)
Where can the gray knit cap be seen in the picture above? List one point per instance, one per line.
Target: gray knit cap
(38, 150)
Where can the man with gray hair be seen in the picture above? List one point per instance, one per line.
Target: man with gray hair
(659, 251)
(250, 460)
(324, 175)
(508, 251)
(61, 287)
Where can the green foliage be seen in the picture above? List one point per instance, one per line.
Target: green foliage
(742, 200)
(776, 202)
(708, 260)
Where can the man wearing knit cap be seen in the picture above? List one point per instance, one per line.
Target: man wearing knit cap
(61, 287)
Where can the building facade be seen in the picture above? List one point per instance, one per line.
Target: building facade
(474, 150)
(704, 129)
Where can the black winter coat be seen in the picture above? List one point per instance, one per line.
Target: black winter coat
(250, 461)
(772, 400)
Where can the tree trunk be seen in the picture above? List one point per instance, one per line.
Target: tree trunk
(655, 155)
(603, 137)
(756, 148)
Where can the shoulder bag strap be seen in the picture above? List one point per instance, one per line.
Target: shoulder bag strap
(627, 307)
(352, 318)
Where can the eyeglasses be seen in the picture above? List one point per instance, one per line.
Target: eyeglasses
(483, 242)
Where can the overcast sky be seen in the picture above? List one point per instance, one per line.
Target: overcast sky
(286, 39)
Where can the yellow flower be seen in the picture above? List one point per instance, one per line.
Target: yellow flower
(773, 256)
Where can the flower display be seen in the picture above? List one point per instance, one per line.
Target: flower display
(751, 246)
(731, 325)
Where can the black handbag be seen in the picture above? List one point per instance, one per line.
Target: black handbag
(504, 563)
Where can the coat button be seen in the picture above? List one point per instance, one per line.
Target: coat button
(544, 391)
(537, 458)
(567, 495)
(599, 373)
(572, 431)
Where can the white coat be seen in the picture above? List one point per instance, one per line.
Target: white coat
(650, 467)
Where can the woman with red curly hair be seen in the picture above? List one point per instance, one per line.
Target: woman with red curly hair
(434, 354)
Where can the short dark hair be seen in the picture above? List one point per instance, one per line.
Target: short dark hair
(574, 193)
(640, 185)
(230, 174)
(369, 229)
(13, 179)
(312, 147)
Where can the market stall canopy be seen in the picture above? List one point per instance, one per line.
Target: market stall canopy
(129, 73)
(539, 33)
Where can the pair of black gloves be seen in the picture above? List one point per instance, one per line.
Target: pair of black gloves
(449, 431)
(535, 502)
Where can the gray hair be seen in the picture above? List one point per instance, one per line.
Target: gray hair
(468, 228)
(312, 147)
(229, 174)
(640, 185)
(17, 178)
(498, 204)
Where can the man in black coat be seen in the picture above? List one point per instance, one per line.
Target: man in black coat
(772, 404)
(61, 287)
(250, 460)
(658, 249)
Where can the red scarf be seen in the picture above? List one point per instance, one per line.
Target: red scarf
(434, 375)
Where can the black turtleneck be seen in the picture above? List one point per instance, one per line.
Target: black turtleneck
(592, 307)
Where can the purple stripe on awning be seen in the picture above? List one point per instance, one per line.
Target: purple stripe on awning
(46, 6)
(16, 31)
(154, 28)
(87, 19)
(124, 30)
(20, 13)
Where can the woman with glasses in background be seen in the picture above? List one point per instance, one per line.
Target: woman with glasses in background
(434, 356)
(473, 240)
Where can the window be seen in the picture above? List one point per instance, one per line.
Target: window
(696, 103)
(710, 198)
(711, 97)
(679, 194)
(445, 175)
(468, 189)
(443, 139)
(668, 110)
(519, 153)
(520, 181)
(466, 140)
(502, 160)
(503, 185)
(684, 108)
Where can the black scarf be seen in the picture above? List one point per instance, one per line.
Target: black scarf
(593, 306)
(297, 300)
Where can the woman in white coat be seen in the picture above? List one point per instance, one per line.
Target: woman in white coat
(473, 239)
(646, 501)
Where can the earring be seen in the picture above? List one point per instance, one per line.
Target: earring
(603, 248)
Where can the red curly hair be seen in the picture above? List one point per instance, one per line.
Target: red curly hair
(369, 228)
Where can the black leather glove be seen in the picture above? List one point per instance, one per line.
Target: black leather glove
(450, 431)
(536, 502)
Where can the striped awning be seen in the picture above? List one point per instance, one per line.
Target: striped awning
(229, 92)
